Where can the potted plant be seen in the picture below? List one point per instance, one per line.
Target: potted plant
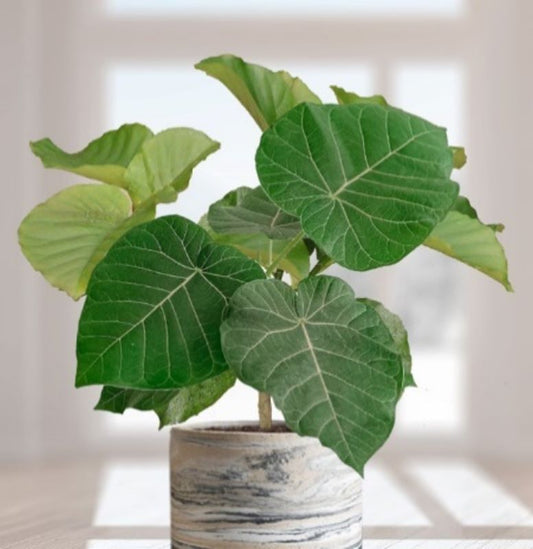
(175, 311)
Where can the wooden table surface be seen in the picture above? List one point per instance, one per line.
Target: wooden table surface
(422, 504)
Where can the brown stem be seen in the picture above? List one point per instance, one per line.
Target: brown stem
(265, 412)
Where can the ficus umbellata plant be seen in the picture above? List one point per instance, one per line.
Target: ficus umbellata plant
(175, 311)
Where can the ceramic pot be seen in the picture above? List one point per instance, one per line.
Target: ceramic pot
(235, 489)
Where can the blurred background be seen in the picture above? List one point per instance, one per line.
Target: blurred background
(73, 69)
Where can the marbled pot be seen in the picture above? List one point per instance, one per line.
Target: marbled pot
(244, 490)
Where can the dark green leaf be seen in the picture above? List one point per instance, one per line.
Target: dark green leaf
(250, 211)
(265, 94)
(369, 183)
(261, 216)
(323, 355)
(154, 307)
(346, 98)
(171, 406)
(104, 159)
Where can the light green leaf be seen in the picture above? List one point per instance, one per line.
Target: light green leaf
(346, 98)
(464, 237)
(154, 306)
(265, 94)
(323, 355)
(65, 237)
(459, 157)
(164, 164)
(249, 211)
(369, 183)
(104, 159)
(171, 406)
(399, 336)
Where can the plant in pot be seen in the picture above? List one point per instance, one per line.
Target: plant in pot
(175, 311)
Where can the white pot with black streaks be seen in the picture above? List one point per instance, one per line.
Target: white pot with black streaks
(235, 489)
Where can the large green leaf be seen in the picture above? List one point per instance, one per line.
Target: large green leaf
(163, 166)
(368, 182)
(65, 237)
(249, 211)
(154, 307)
(323, 355)
(171, 406)
(104, 159)
(265, 94)
(464, 237)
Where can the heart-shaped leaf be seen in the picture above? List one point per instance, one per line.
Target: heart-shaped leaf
(65, 237)
(164, 164)
(368, 182)
(265, 94)
(464, 237)
(104, 159)
(323, 355)
(171, 406)
(249, 211)
(154, 307)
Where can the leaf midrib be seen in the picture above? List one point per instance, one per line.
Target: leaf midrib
(380, 161)
(325, 389)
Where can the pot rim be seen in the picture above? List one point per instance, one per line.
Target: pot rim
(205, 430)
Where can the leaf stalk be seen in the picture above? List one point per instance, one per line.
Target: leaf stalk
(265, 412)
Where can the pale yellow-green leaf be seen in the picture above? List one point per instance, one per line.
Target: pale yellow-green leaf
(104, 159)
(467, 239)
(65, 237)
(265, 94)
(163, 166)
(346, 98)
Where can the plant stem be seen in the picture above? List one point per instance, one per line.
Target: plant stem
(322, 265)
(289, 246)
(265, 412)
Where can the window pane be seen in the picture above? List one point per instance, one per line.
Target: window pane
(299, 8)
